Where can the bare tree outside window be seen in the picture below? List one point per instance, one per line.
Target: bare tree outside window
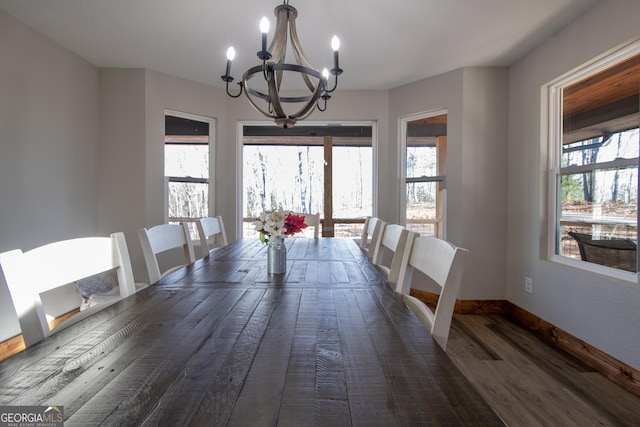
(290, 172)
(186, 170)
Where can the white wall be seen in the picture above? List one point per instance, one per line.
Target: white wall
(48, 146)
(123, 163)
(132, 110)
(601, 311)
(476, 104)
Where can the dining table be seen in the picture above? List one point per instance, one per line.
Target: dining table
(222, 342)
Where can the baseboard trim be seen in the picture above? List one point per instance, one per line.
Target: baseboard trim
(464, 306)
(617, 371)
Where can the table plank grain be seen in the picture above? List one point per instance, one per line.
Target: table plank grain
(221, 342)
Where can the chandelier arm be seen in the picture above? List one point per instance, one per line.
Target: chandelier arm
(335, 84)
(301, 58)
(278, 76)
(305, 111)
(249, 92)
(279, 42)
(278, 47)
(267, 71)
(325, 97)
(318, 105)
(276, 103)
(228, 79)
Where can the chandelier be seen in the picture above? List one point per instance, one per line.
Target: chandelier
(263, 91)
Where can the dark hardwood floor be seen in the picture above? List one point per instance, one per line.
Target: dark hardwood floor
(530, 383)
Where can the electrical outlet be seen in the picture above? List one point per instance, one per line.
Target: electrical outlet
(528, 285)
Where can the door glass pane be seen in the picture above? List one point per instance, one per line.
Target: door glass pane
(313, 169)
(287, 177)
(352, 192)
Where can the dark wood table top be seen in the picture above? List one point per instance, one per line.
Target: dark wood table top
(223, 343)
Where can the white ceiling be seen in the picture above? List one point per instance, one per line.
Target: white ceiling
(384, 44)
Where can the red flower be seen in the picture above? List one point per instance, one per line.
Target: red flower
(294, 224)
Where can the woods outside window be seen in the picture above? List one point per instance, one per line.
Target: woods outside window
(594, 146)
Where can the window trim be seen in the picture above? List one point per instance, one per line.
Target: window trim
(212, 150)
(403, 122)
(551, 130)
(240, 124)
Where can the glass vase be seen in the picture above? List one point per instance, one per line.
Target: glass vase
(276, 256)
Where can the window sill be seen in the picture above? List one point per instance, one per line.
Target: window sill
(601, 270)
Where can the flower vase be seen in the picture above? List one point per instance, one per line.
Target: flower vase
(276, 256)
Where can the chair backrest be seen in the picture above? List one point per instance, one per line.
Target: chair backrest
(29, 274)
(312, 220)
(162, 238)
(376, 235)
(393, 241)
(616, 253)
(444, 264)
(212, 234)
(371, 223)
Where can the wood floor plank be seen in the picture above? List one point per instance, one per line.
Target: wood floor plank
(528, 382)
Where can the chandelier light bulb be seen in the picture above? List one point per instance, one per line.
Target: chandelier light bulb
(264, 25)
(335, 43)
(325, 74)
(264, 28)
(231, 53)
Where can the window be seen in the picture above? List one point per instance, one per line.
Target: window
(425, 142)
(309, 169)
(595, 143)
(186, 166)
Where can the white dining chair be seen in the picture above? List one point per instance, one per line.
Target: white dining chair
(370, 235)
(443, 263)
(163, 238)
(389, 250)
(28, 275)
(212, 234)
(312, 220)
